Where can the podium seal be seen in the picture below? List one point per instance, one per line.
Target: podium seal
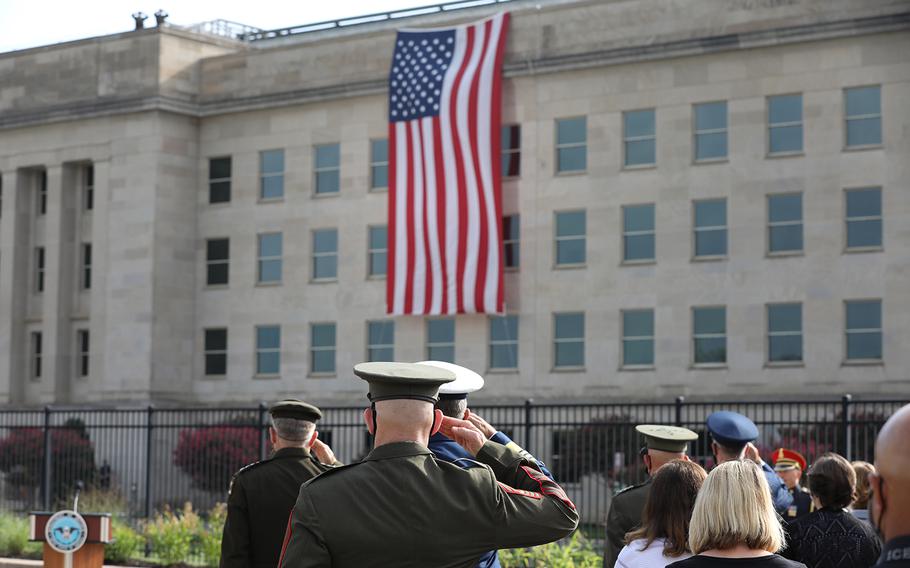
(66, 531)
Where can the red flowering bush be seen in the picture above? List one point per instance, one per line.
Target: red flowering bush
(211, 455)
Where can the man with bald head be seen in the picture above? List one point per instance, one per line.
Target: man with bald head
(889, 508)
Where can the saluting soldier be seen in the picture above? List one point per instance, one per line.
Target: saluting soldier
(402, 507)
(790, 465)
(662, 445)
(262, 494)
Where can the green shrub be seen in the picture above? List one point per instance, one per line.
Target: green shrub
(209, 537)
(576, 552)
(101, 501)
(171, 535)
(14, 541)
(127, 543)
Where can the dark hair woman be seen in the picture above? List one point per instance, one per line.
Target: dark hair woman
(664, 533)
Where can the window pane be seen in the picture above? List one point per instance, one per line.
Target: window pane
(864, 345)
(638, 247)
(710, 116)
(379, 150)
(638, 123)
(711, 213)
(268, 363)
(441, 353)
(786, 317)
(381, 333)
(268, 337)
(708, 146)
(570, 326)
(270, 271)
(640, 152)
(864, 100)
(379, 177)
(378, 263)
(217, 249)
(572, 223)
(573, 159)
(328, 156)
(638, 218)
(325, 266)
(219, 192)
(327, 182)
(325, 240)
(786, 238)
(323, 362)
(785, 348)
(504, 328)
(510, 138)
(864, 315)
(711, 243)
(571, 130)
(638, 352)
(510, 162)
(710, 320)
(216, 364)
(785, 108)
(270, 244)
(786, 139)
(712, 350)
(863, 131)
(381, 354)
(570, 251)
(219, 168)
(215, 339)
(271, 162)
(378, 237)
(570, 354)
(638, 323)
(503, 356)
(216, 274)
(864, 203)
(510, 227)
(864, 233)
(441, 331)
(271, 187)
(785, 207)
(323, 335)
(511, 255)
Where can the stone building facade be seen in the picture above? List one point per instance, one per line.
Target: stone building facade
(706, 198)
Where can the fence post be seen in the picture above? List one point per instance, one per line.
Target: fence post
(149, 423)
(845, 425)
(262, 431)
(679, 406)
(528, 403)
(46, 472)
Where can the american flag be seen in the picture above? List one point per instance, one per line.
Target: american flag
(445, 204)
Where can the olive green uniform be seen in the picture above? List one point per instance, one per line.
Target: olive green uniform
(260, 500)
(402, 507)
(624, 516)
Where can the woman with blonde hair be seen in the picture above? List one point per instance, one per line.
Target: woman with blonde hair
(734, 522)
(664, 533)
(860, 505)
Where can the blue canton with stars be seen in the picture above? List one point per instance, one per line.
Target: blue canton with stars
(419, 65)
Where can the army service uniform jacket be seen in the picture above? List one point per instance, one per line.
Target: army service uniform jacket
(802, 504)
(403, 507)
(624, 516)
(260, 500)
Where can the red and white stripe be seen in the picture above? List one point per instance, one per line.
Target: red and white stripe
(445, 198)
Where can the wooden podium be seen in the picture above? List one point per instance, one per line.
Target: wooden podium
(71, 540)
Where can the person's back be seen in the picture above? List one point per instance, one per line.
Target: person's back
(640, 554)
(832, 538)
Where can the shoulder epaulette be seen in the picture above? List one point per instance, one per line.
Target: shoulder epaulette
(330, 471)
(244, 469)
(630, 488)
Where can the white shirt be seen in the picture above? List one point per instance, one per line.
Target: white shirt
(632, 555)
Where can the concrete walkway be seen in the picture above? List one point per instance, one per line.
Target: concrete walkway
(20, 563)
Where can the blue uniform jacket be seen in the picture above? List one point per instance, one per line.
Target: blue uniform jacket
(448, 450)
(780, 496)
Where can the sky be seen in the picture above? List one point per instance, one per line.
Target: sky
(32, 23)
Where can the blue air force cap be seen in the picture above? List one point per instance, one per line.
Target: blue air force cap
(731, 428)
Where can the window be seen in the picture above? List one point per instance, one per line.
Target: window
(39, 269)
(785, 124)
(86, 266)
(864, 218)
(785, 223)
(785, 333)
(864, 330)
(504, 342)
(270, 245)
(328, 168)
(864, 116)
(638, 233)
(441, 340)
(511, 244)
(42, 192)
(571, 145)
(570, 238)
(569, 340)
(271, 174)
(82, 342)
(378, 251)
(36, 354)
(711, 131)
(268, 350)
(379, 164)
(218, 258)
(322, 348)
(88, 188)
(711, 228)
(380, 341)
(215, 351)
(325, 254)
(220, 180)
(639, 140)
(709, 333)
(510, 141)
(637, 338)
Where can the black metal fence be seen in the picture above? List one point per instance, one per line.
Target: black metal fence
(141, 460)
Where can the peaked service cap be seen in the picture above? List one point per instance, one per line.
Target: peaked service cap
(731, 428)
(666, 438)
(390, 381)
(293, 408)
(466, 381)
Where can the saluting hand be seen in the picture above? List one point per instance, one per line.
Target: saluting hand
(751, 453)
(323, 452)
(465, 434)
(482, 425)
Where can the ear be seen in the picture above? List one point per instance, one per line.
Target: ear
(647, 460)
(686, 458)
(876, 486)
(312, 439)
(437, 421)
(368, 419)
(273, 436)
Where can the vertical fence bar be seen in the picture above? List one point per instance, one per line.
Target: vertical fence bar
(527, 440)
(262, 431)
(148, 460)
(46, 471)
(845, 426)
(679, 407)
